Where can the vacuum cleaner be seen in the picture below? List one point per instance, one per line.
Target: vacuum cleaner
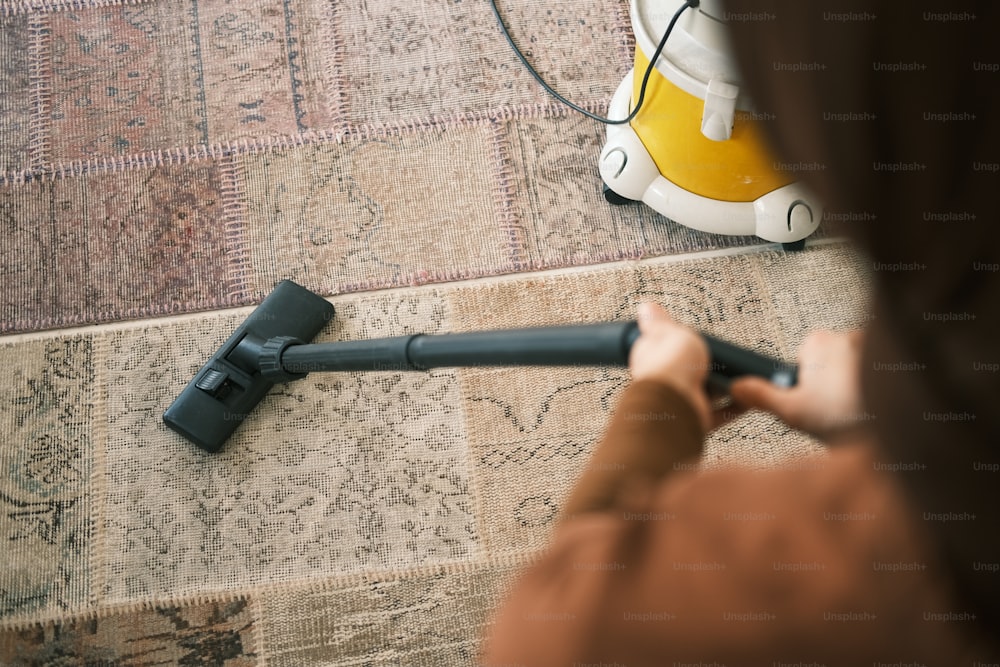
(273, 345)
(695, 151)
(683, 136)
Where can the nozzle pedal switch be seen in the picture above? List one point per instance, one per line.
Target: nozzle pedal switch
(214, 383)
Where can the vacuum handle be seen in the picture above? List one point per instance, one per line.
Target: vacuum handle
(729, 361)
(607, 343)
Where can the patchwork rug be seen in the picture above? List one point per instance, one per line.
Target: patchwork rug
(164, 164)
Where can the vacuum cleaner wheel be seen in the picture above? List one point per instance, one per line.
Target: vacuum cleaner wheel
(614, 198)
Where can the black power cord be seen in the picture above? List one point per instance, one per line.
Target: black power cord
(585, 112)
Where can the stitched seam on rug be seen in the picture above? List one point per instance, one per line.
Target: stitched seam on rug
(15, 624)
(232, 173)
(333, 582)
(620, 263)
(506, 185)
(11, 7)
(170, 317)
(334, 71)
(294, 53)
(41, 326)
(474, 434)
(172, 156)
(248, 593)
(622, 27)
(463, 118)
(256, 604)
(472, 470)
(40, 94)
(99, 435)
(257, 145)
(419, 279)
(361, 288)
(101, 317)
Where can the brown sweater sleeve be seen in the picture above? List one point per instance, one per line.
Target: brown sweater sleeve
(820, 563)
(652, 430)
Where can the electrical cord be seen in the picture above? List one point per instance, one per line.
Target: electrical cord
(575, 107)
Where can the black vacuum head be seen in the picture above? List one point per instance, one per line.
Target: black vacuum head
(227, 388)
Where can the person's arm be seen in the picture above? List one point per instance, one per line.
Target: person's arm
(652, 430)
(660, 420)
(663, 416)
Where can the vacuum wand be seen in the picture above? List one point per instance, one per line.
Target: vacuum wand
(607, 343)
(575, 345)
(271, 346)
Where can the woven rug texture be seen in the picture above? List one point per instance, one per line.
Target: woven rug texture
(163, 164)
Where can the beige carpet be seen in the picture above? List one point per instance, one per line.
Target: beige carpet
(164, 164)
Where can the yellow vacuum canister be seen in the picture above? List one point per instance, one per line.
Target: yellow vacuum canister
(694, 152)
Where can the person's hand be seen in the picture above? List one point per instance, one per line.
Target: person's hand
(826, 401)
(674, 355)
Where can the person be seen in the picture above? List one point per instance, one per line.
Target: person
(885, 549)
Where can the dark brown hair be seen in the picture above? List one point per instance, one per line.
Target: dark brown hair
(892, 111)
